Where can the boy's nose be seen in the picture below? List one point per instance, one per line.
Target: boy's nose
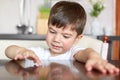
(57, 38)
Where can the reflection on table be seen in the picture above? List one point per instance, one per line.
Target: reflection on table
(55, 70)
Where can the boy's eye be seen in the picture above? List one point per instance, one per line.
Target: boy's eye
(51, 31)
(66, 36)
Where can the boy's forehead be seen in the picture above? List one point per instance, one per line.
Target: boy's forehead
(67, 30)
(66, 27)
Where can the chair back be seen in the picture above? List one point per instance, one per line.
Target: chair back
(98, 45)
(84, 42)
(23, 43)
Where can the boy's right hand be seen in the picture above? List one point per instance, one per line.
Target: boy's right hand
(27, 54)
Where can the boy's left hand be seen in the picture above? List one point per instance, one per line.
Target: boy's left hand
(101, 65)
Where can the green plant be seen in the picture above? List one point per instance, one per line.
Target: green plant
(44, 12)
(45, 9)
(97, 8)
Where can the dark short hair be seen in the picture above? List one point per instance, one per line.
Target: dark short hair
(65, 13)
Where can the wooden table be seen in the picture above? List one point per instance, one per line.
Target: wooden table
(65, 70)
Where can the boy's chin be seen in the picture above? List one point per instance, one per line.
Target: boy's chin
(56, 51)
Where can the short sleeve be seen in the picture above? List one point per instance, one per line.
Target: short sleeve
(74, 50)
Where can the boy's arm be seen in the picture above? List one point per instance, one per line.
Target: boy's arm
(13, 50)
(93, 60)
(20, 54)
(84, 55)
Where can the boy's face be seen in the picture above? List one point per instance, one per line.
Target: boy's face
(60, 40)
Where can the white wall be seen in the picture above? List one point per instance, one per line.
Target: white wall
(10, 15)
(106, 18)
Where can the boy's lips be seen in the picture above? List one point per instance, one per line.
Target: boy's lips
(55, 46)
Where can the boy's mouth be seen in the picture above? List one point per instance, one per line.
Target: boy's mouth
(55, 46)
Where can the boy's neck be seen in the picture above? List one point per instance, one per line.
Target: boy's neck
(54, 54)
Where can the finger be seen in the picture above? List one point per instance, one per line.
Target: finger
(107, 67)
(100, 68)
(18, 57)
(36, 60)
(30, 54)
(111, 68)
(26, 55)
(99, 65)
(89, 65)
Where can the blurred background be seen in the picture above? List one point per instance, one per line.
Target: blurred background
(32, 16)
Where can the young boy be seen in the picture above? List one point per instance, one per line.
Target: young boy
(65, 26)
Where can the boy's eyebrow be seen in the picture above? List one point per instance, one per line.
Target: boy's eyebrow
(64, 33)
(50, 28)
(69, 34)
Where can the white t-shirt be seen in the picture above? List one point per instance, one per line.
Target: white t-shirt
(44, 54)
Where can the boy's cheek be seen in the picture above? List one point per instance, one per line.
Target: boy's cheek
(48, 37)
(68, 45)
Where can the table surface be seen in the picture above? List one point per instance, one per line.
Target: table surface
(62, 70)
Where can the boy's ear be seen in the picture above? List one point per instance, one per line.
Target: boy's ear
(78, 38)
